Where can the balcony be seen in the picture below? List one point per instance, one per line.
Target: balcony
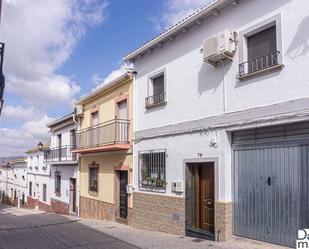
(108, 136)
(61, 154)
(155, 100)
(259, 65)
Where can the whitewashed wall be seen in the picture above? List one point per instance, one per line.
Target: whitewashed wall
(39, 177)
(66, 136)
(195, 90)
(67, 170)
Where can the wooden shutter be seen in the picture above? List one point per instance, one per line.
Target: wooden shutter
(262, 43)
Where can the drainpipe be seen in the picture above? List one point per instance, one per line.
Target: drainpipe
(223, 86)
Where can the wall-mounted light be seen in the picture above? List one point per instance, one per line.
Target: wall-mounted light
(40, 146)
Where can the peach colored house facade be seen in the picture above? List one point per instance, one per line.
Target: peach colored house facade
(104, 145)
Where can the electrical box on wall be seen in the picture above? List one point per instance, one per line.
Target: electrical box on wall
(130, 189)
(177, 187)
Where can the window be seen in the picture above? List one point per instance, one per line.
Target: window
(93, 177)
(58, 183)
(260, 48)
(73, 138)
(59, 144)
(95, 131)
(152, 170)
(30, 188)
(44, 192)
(156, 90)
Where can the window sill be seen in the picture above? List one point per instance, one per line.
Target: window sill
(93, 193)
(156, 105)
(58, 194)
(152, 189)
(260, 72)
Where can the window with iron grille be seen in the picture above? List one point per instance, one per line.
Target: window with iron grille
(93, 177)
(57, 182)
(152, 170)
(262, 46)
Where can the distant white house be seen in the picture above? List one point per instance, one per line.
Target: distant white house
(13, 182)
(39, 189)
(64, 177)
(222, 122)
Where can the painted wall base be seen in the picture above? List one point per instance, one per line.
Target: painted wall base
(59, 207)
(167, 214)
(94, 209)
(223, 221)
(159, 213)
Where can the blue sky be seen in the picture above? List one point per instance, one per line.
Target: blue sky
(57, 51)
(101, 51)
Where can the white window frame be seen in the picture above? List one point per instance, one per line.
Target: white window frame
(255, 28)
(150, 82)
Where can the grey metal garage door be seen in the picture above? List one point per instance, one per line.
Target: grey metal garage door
(271, 182)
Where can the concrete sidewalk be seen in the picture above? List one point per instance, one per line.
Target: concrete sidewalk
(157, 240)
(20, 220)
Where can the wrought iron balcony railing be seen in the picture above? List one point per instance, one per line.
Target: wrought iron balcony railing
(259, 64)
(111, 132)
(155, 99)
(61, 154)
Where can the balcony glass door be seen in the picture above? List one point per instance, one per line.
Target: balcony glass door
(95, 131)
(121, 126)
(59, 138)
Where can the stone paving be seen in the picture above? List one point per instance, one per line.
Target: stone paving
(22, 228)
(27, 229)
(157, 240)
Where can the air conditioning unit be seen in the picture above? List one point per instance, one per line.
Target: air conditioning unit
(220, 46)
(79, 110)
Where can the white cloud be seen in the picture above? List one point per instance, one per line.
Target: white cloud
(20, 113)
(175, 10)
(40, 36)
(15, 142)
(110, 77)
(96, 79)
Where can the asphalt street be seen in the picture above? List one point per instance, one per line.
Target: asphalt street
(26, 230)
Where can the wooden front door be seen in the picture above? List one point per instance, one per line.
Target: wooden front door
(73, 195)
(123, 201)
(207, 197)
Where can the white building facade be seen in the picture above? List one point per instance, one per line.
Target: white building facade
(39, 189)
(220, 148)
(13, 182)
(64, 180)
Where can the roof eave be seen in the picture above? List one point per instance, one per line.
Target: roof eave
(175, 29)
(60, 120)
(104, 88)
